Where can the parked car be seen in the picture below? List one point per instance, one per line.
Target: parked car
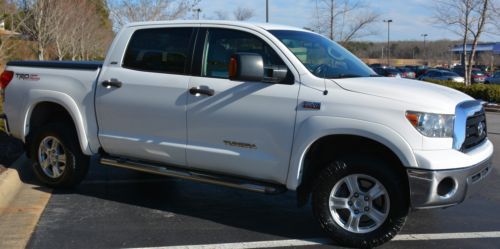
(406, 72)
(442, 75)
(419, 70)
(495, 79)
(442, 68)
(477, 75)
(260, 107)
(387, 72)
(374, 65)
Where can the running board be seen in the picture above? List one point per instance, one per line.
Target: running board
(226, 181)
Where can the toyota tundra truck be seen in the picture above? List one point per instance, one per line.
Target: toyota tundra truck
(260, 107)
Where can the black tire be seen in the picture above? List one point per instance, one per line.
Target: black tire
(76, 165)
(394, 184)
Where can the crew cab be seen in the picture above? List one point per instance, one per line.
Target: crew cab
(261, 107)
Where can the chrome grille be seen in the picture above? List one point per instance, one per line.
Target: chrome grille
(475, 130)
(468, 116)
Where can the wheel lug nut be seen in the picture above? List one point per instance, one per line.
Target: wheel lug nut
(356, 195)
(356, 211)
(367, 209)
(349, 203)
(366, 198)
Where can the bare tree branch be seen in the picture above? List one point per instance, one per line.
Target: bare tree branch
(343, 20)
(469, 19)
(243, 14)
(124, 11)
(12, 27)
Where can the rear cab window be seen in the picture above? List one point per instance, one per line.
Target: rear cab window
(162, 50)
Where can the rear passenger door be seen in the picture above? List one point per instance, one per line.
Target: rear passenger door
(244, 128)
(141, 100)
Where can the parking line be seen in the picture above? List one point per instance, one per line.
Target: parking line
(444, 236)
(323, 241)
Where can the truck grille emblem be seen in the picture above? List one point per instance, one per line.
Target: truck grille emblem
(481, 129)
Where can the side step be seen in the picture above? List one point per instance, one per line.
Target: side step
(227, 181)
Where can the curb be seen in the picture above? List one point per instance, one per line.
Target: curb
(10, 183)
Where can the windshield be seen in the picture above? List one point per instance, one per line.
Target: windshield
(321, 56)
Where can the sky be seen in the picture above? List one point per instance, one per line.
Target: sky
(411, 18)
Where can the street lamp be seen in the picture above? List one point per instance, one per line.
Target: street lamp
(388, 41)
(267, 10)
(425, 50)
(198, 10)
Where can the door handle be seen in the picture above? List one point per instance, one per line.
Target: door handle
(202, 91)
(112, 83)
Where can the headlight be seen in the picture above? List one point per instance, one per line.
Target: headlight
(432, 125)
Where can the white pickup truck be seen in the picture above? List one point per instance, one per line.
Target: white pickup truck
(261, 107)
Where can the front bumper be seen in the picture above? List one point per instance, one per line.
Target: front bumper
(443, 188)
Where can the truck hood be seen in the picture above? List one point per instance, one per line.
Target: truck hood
(419, 93)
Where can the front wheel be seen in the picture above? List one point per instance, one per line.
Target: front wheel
(57, 158)
(360, 203)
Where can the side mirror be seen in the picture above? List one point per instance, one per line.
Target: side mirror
(246, 67)
(250, 67)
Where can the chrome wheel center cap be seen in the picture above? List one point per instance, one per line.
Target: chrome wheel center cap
(359, 204)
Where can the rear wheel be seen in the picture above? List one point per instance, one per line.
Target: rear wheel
(57, 158)
(360, 203)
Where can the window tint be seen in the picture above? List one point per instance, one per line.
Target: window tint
(163, 50)
(222, 43)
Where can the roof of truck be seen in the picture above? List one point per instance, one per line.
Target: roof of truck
(266, 26)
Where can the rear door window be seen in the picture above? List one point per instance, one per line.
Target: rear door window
(163, 50)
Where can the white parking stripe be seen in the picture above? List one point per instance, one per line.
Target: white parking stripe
(442, 236)
(248, 245)
(323, 241)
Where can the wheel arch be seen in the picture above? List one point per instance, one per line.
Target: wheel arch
(360, 136)
(47, 109)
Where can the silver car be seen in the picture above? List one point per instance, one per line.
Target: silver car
(442, 75)
(495, 79)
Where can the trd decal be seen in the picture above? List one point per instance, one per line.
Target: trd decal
(311, 105)
(26, 76)
(241, 145)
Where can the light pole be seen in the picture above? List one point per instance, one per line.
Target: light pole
(425, 49)
(267, 10)
(198, 10)
(388, 41)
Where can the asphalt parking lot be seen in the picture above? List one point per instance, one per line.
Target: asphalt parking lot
(116, 208)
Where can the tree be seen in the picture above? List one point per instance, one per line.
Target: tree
(125, 11)
(343, 20)
(38, 25)
(243, 14)
(468, 19)
(12, 24)
(75, 29)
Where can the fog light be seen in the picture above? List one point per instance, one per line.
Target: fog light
(446, 187)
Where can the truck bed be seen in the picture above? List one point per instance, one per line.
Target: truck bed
(78, 65)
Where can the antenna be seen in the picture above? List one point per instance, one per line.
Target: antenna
(325, 92)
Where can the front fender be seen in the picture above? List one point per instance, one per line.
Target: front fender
(317, 127)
